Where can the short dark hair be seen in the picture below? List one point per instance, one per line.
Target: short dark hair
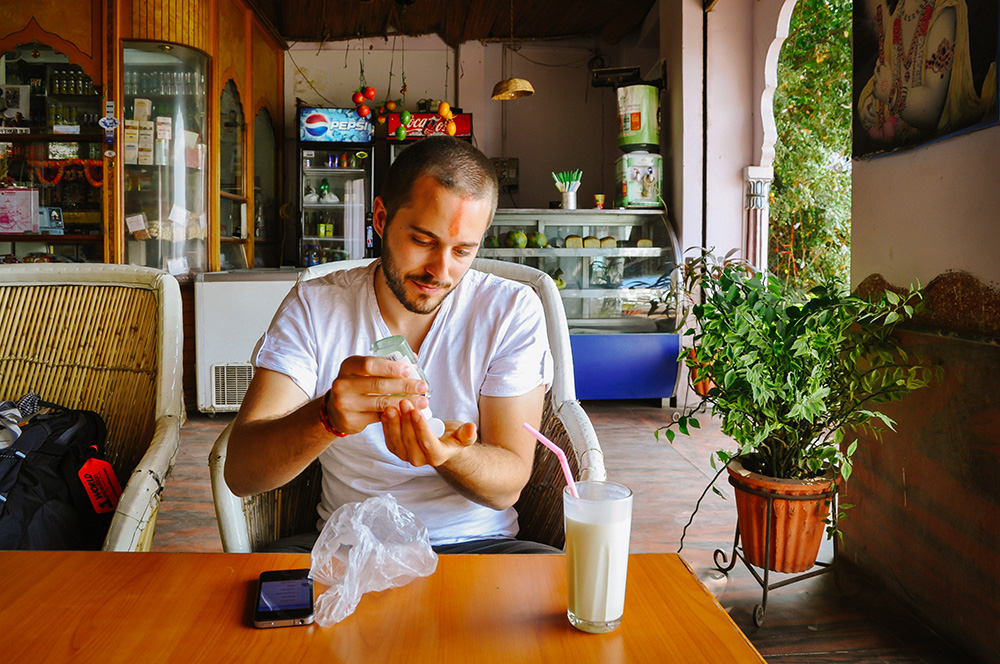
(455, 165)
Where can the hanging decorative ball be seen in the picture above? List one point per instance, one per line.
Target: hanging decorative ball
(357, 98)
(450, 128)
(369, 92)
(404, 117)
(381, 109)
(391, 105)
(364, 111)
(381, 119)
(400, 133)
(444, 109)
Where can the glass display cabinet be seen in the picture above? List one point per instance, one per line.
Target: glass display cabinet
(610, 265)
(613, 270)
(164, 155)
(267, 231)
(232, 192)
(51, 162)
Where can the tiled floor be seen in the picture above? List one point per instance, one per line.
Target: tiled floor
(810, 621)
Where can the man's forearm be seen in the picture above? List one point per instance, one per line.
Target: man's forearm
(487, 474)
(266, 453)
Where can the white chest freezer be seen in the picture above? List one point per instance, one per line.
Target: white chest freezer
(232, 312)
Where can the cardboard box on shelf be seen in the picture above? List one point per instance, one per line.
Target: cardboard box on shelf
(130, 142)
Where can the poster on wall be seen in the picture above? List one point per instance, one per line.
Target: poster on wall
(923, 70)
(14, 105)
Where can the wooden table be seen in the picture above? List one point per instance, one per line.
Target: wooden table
(179, 607)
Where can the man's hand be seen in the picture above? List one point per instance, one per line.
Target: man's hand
(408, 436)
(368, 386)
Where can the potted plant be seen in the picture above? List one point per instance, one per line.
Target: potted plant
(794, 378)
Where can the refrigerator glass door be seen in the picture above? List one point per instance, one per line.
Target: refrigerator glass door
(335, 191)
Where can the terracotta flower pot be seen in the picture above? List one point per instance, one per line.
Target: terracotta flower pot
(797, 528)
(701, 386)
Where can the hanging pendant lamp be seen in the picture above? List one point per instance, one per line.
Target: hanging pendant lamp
(511, 88)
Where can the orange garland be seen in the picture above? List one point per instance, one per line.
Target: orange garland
(90, 169)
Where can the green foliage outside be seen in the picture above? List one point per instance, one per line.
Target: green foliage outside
(810, 218)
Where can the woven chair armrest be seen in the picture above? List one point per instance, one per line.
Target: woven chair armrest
(141, 494)
(580, 430)
(228, 506)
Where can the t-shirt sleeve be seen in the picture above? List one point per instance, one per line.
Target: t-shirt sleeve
(523, 360)
(289, 345)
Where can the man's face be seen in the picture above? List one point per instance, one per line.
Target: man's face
(430, 243)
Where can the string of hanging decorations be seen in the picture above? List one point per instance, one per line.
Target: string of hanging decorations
(91, 169)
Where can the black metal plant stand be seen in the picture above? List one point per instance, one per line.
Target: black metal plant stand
(727, 563)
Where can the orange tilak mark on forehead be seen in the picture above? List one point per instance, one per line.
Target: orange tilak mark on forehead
(455, 225)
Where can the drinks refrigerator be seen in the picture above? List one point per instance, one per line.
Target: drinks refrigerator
(336, 165)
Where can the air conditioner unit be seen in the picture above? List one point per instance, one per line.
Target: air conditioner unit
(232, 312)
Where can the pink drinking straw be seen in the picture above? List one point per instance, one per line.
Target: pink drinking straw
(559, 455)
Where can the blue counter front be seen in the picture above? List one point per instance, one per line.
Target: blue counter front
(625, 366)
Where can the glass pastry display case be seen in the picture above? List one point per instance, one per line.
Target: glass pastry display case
(163, 154)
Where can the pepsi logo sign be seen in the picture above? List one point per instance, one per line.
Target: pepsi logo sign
(349, 125)
(316, 124)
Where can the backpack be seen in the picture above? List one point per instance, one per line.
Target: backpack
(56, 491)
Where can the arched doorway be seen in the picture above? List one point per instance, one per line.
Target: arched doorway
(810, 195)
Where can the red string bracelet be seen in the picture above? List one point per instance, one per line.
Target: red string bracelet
(325, 419)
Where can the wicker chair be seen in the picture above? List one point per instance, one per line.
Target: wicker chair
(106, 338)
(250, 523)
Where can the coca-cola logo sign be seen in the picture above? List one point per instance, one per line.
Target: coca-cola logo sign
(426, 126)
(422, 125)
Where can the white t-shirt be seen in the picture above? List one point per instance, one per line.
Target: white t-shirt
(488, 338)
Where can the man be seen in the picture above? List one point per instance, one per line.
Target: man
(481, 342)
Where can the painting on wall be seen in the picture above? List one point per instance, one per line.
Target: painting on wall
(923, 70)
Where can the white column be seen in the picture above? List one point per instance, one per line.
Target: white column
(755, 221)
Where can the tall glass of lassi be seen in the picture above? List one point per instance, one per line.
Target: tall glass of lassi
(598, 525)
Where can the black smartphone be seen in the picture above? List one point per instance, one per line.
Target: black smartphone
(284, 598)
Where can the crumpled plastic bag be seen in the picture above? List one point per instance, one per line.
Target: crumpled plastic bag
(368, 546)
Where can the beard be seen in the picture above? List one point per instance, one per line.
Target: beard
(419, 303)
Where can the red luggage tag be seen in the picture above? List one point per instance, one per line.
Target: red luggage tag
(98, 478)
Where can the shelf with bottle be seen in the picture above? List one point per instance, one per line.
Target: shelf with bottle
(324, 238)
(164, 110)
(317, 255)
(71, 83)
(333, 170)
(161, 82)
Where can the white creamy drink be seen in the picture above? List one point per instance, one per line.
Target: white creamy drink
(598, 525)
